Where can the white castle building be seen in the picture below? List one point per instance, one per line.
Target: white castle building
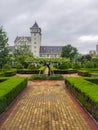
(34, 43)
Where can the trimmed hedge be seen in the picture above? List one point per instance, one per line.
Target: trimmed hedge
(46, 77)
(86, 92)
(10, 73)
(1, 74)
(27, 71)
(3, 79)
(65, 71)
(84, 73)
(9, 89)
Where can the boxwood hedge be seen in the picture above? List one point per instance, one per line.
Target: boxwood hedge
(9, 89)
(27, 71)
(86, 92)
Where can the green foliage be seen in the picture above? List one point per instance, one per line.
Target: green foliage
(22, 53)
(88, 64)
(9, 89)
(4, 51)
(86, 58)
(76, 65)
(46, 77)
(64, 65)
(1, 74)
(6, 67)
(69, 51)
(86, 92)
(3, 79)
(31, 66)
(10, 72)
(28, 71)
(19, 66)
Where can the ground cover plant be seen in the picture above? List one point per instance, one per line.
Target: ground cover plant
(86, 92)
(9, 89)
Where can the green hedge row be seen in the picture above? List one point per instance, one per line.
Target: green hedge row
(65, 71)
(86, 92)
(9, 89)
(27, 71)
(84, 73)
(8, 73)
(46, 77)
(3, 79)
(1, 74)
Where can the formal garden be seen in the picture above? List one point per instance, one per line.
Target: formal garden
(84, 88)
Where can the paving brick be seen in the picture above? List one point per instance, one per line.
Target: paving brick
(45, 106)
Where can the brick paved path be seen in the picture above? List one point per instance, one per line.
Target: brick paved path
(45, 106)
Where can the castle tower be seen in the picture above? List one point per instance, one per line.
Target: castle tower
(97, 49)
(35, 40)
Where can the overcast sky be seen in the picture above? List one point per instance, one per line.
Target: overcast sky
(62, 22)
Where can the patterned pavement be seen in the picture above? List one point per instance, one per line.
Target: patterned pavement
(45, 106)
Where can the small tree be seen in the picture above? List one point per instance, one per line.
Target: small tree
(4, 51)
(22, 53)
(69, 52)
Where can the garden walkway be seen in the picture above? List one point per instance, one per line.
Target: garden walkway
(45, 105)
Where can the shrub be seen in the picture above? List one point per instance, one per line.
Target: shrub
(19, 66)
(6, 67)
(9, 89)
(64, 65)
(86, 92)
(31, 66)
(88, 64)
(76, 65)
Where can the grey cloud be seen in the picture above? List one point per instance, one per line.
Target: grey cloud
(62, 21)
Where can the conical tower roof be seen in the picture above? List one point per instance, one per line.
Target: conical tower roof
(35, 25)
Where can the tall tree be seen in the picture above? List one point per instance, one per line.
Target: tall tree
(22, 53)
(4, 50)
(69, 51)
